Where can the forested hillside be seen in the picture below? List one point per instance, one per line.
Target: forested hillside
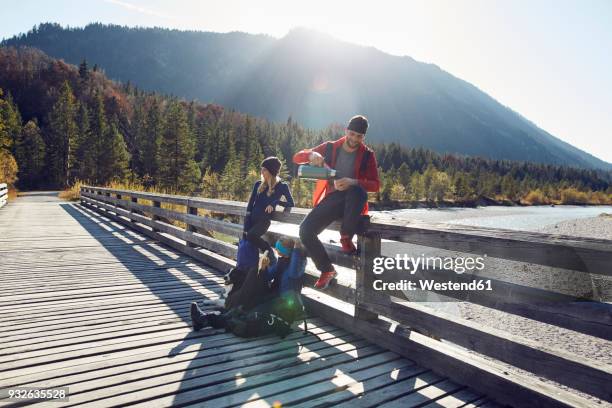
(60, 123)
(317, 80)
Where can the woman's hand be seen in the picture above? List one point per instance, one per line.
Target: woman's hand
(264, 262)
(269, 209)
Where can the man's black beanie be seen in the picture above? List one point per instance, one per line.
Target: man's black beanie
(358, 124)
(273, 164)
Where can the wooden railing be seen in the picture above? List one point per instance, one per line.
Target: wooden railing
(589, 314)
(3, 194)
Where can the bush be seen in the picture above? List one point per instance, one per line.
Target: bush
(8, 167)
(573, 196)
(536, 197)
(72, 193)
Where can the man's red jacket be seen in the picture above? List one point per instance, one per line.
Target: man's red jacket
(368, 179)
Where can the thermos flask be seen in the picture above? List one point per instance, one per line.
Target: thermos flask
(306, 171)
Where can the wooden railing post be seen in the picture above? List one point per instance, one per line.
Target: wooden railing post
(191, 228)
(364, 276)
(156, 204)
(108, 194)
(133, 211)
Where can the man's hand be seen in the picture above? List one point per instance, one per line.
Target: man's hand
(344, 183)
(316, 159)
(269, 209)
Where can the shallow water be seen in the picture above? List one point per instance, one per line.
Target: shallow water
(517, 218)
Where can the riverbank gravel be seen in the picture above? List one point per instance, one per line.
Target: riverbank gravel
(549, 336)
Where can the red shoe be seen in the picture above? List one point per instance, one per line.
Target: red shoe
(325, 279)
(347, 245)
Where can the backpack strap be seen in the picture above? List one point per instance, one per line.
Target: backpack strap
(329, 152)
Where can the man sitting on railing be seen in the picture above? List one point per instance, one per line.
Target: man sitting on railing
(343, 199)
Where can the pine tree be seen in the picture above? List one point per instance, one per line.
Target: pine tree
(253, 154)
(62, 132)
(231, 180)
(509, 187)
(139, 131)
(404, 174)
(84, 141)
(83, 70)
(94, 152)
(30, 154)
(462, 187)
(177, 169)
(118, 158)
(151, 141)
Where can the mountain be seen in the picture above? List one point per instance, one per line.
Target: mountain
(315, 79)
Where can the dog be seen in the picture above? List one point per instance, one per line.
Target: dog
(233, 280)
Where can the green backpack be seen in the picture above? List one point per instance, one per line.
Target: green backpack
(272, 317)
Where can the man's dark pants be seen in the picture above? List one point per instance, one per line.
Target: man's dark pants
(340, 205)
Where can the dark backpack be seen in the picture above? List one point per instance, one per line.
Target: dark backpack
(257, 322)
(276, 315)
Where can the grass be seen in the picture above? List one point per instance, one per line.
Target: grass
(12, 193)
(73, 193)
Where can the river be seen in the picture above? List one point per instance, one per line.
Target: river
(518, 218)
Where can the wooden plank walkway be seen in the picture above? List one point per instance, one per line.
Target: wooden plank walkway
(88, 304)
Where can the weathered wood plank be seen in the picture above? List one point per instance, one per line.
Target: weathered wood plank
(579, 254)
(210, 224)
(197, 391)
(359, 389)
(463, 368)
(424, 395)
(217, 364)
(559, 365)
(222, 263)
(589, 317)
(326, 387)
(153, 356)
(457, 400)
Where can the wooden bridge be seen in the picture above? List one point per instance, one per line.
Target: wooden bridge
(95, 298)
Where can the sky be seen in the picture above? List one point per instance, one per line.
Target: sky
(549, 60)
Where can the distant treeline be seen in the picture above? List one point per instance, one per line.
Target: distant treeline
(60, 123)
